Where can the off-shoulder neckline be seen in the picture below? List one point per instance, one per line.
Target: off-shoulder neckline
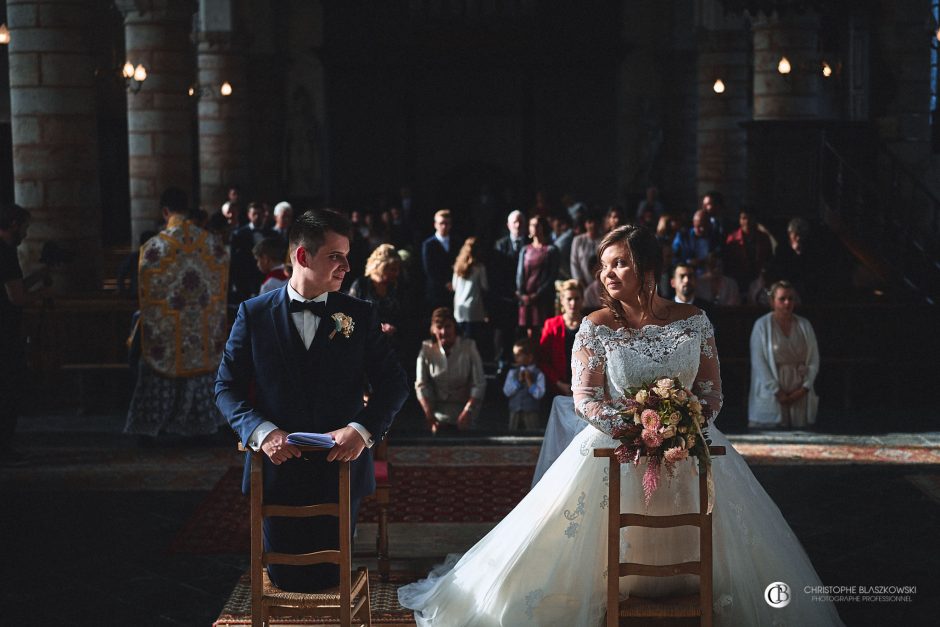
(700, 314)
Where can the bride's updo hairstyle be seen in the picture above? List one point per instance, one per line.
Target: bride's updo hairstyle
(647, 255)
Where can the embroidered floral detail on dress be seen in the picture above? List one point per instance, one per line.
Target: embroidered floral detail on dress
(531, 602)
(573, 516)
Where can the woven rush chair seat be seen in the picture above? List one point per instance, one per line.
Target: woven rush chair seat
(275, 595)
(669, 607)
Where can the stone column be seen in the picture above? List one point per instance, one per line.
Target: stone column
(157, 34)
(223, 119)
(793, 96)
(722, 141)
(55, 152)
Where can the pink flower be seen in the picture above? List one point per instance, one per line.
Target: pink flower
(651, 438)
(650, 419)
(675, 454)
(664, 384)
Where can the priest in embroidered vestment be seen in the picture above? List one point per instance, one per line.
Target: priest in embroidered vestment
(182, 289)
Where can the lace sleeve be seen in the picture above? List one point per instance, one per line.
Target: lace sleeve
(707, 384)
(592, 400)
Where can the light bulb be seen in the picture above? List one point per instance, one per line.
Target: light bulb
(719, 86)
(140, 73)
(4, 34)
(784, 66)
(192, 91)
(826, 69)
(226, 89)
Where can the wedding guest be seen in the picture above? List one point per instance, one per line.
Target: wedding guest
(503, 303)
(594, 291)
(713, 204)
(616, 216)
(524, 387)
(535, 277)
(438, 253)
(245, 277)
(557, 339)
(562, 237)
(693, 246)
(716, 288)
(470, 285)
(380, 285)
(800, 262)
(232, 214)
(449, 381)
(784, 365)
(584, 246)
(283, 218)
(183, 326)
(747, 251)
(684, 282)
(270, 254)
(666, 229)
(650, 203)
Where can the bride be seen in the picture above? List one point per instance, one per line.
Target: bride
(545, 563)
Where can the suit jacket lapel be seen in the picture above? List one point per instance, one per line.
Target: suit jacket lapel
(325, 327)
(284, 329)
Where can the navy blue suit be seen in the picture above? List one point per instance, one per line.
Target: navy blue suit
(438, 270)
(267, 374)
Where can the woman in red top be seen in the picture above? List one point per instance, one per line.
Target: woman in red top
(558, 338)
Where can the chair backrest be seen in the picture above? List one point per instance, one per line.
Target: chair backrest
(617, 520)
(260, 558)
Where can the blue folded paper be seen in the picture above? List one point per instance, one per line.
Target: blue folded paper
(319, 440)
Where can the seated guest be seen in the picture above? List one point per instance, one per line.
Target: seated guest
(747, 251)
(801, 262)
(270, 254)
(592, 293)
(558, 339)
(616, 216)
(693, 246)
(449, 382)
(470, 284)
(784, 364)
(379, 285)
(525, 386)
(283, 218)
(715, 288)
(651, 203)
(684, 283)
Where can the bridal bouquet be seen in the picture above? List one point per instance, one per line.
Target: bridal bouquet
(663, 421)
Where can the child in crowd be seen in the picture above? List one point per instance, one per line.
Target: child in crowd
(270, 254)
(525, 386)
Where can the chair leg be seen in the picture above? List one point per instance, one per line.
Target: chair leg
(382, 535)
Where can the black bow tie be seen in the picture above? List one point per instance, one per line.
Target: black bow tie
(317, 308)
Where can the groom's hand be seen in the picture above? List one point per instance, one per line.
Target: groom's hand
(276, 447)
(349, 445)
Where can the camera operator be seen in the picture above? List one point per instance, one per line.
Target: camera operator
(14, 222)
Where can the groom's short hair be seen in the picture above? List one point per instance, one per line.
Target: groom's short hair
(309, 230)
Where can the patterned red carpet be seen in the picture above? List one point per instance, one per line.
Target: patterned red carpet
(482, 484)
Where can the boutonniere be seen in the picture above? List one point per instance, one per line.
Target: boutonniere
(344, 324)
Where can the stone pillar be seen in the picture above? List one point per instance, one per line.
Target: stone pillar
(722, 141)
(793, 96)
(54, 127)
(223, 120)
(160, 116)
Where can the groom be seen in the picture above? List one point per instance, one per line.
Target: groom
(297, 359)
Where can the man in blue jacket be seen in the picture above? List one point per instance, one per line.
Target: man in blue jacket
(298, 359)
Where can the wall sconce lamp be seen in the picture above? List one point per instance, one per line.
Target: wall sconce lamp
(4, 35)
(784, 66)
(719, 86)
(134, 77)
(201, 91)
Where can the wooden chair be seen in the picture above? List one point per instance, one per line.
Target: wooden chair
(347, 601)
(690, 606)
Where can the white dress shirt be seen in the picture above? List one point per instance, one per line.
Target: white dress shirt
(306, 323)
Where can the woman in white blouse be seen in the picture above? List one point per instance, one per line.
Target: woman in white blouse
(784, 364)
(450, 385)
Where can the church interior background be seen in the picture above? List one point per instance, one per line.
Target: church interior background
(477, 106)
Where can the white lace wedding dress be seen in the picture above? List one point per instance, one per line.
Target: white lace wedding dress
(545, 563)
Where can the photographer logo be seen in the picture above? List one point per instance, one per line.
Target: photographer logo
(778, 595)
